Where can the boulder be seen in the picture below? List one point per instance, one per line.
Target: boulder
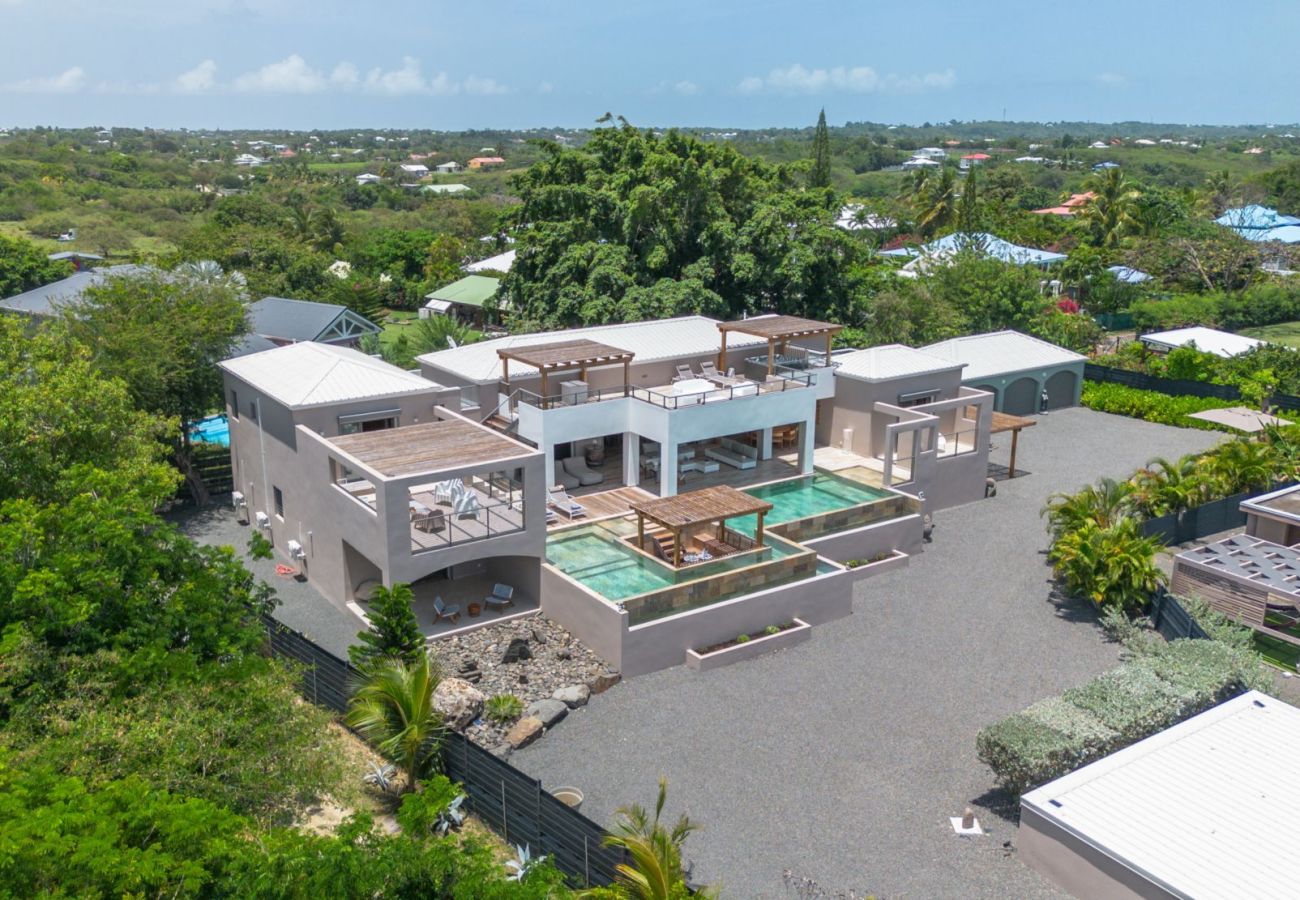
(517, 651)
(573, 696)
(603, 681)
(524, 732)
(458, 701)
(549, 712)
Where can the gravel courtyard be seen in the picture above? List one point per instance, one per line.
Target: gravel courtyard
(843, 758)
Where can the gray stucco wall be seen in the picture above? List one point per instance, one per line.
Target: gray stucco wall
(1036, 380)
(1076, 867)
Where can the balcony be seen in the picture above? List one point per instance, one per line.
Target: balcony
(683, 392)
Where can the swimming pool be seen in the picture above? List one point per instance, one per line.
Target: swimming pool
(213, 429)
(802, 498)
(597, 556)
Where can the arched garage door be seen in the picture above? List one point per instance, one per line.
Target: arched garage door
(987, 387)
(1021, 397)
(1061, 388)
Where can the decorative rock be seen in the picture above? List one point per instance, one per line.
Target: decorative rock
(573, 696)
(517, 651)
(459, 702)
(538, 636)
(603, 681)
(564, 653)
(549, 712)
(502, 751)
(524, 732)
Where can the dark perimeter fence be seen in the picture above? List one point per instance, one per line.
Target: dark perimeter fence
(511, 802)
(1206, 519)
(1178, 387)
(1170, 618)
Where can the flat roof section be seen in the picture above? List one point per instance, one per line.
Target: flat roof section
(1206, 808)
(1262, 563)
(1283, 504)
(427, 447)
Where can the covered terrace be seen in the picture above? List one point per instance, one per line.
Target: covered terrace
(778, 331)
(562, 356)
(682, 515)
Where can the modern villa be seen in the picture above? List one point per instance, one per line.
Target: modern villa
(655, 487)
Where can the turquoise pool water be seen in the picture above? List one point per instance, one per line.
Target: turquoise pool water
(821, 492)
(213, 429)
(596, 556)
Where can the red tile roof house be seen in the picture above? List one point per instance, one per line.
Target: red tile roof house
(483, 162)
(1069, 207)
(974, 159)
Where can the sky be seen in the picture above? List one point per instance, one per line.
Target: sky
(296, 64)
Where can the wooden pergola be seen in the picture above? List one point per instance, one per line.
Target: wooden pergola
(711, 504)
(777, 331)
(563, 355)
(1007, 422)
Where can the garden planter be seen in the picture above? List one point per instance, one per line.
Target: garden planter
(896, 560)
(764, 643)
(569, 796)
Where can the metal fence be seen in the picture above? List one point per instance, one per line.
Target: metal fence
(1170, 618)
(1206, 519)
(1178, 387)
(511, 802)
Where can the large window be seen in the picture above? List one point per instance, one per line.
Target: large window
(279, 502)
(369, 421)
(234, 403)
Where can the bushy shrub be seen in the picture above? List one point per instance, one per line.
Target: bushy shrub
(1152, 406)
(503, 708)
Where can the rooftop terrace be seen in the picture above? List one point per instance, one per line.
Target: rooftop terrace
(427, 447)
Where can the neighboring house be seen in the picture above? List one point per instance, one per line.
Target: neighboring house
(1070, 207)
(284, 321)
(1201, 809)
(1128, 275)
(978, 242)
(1030, 159)
(1016, 369)
(499, 263)
(1207, 340)
(368, 178)
(974, 159)
(467, 298)
(450, 167)
(920, 162)
(75, 257)
(1102, 166)
(419, 170)
(1099, 145)
(930, 153)
(486, 162)
(45, 301)
(851, 219)
(444, 188)
(249, 160)
(1261, 223)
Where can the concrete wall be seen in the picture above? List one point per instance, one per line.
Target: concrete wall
(902, 534)
(1273, 530)
(1029, 383)
(1076, 867)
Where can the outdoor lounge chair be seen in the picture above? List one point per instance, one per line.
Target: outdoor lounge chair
(684, 373)
(502, 596)
(709, 370)
(433, 521)
(443, 611)
(467, 506)
(447, 492)
(560, 499)
(564, 479)
(577, 467)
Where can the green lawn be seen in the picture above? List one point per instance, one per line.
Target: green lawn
(1277, 653)
(397, 321)
(1285, 333)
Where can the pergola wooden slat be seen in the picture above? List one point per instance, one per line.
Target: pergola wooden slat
(711, 504)
(777, 331)
(559, 355)
(426, 447)
(1007, 422)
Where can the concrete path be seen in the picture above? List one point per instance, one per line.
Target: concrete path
(843, 758)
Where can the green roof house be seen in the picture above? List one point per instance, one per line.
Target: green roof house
(466, 298)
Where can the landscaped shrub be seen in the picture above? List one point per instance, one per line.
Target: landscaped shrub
(1163, 684)
(1112, 566)
(1152, 406)
(503, 708)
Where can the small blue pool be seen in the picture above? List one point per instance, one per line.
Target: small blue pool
(213, 429)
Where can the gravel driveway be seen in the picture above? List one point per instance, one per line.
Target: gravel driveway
(842, 758)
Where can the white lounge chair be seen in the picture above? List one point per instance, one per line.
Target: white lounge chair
(709, 370)
(684, 373)
(564, 479)
(467, 506)
(449, 491)
(443, 611)
(502, 596)
(577, 467)
(560, 499)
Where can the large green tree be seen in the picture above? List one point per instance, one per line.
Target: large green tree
(24, 266)
(820, 174)
(393, 634)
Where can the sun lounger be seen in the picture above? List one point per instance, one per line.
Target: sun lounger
(684, 373)
(502, 596)
(467, 507)
(564, 479)
(560, 499)
(447, 492)
(443, 611)
(577, 467)
(709, 370)
(731, 458)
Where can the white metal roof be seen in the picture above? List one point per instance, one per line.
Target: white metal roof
(499, 263)
(890, 361)
(311, 374)
(649, 341)
(1000, 352)
(1205, 809)
(1209, 340)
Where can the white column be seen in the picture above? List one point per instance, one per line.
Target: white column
(765, 444)
(549, 472)
(807, 438)
(667, 469)
(631, 458)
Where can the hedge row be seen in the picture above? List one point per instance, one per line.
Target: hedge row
(1153, 406)
(1163, 685)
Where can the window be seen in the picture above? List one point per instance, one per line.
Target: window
(917, 398)
(252, 409)
(370, 421)
(234, 404)
(279, 502)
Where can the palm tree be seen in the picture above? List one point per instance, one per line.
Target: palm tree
(938, 203)
(1105, 503)
(655, 872)
(1241, 465)
(1112, 212)
(1164, 487)
(393, 709)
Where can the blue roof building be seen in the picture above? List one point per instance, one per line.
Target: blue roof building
(1261, 223)
(984, 244)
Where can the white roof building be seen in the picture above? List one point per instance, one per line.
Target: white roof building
(310, 374)
(1204, 809)
(415, 168)
(1208, 340)
(499, 263)
(1026, 375)
(650, 341)
(368, 178)
(890, 361)
(850, 220)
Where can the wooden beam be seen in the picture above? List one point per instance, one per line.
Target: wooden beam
(1015, 438)
(677, 547)
(640, 531)
(829, 338)
(758, 534)
(722, 353)
(771, 353)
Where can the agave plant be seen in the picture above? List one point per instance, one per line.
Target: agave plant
(451, 818)
(523, 863)
(381, 777)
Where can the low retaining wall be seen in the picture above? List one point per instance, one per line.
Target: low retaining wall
(806, 530)
(903, 534)
(703, 662)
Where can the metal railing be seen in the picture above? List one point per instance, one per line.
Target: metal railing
(589, 395)
(956, 443)
(774, 384)
(796, 359)
(443, 528)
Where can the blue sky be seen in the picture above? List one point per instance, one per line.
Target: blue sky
(526, 63)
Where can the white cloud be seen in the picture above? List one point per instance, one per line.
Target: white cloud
(345, 75)
(407, 80)
(1112, 80)
(686, 88)
(290, 75)
(796, 79)
(484, 86)
(69, 81)
(545, 88)
(199, 80)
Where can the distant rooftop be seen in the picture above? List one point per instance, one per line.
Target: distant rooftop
(46, 300)
(1207, 340)
(283, 319)
(499, 263)
(428, 447)
(310, 374)
(982, 243)
(472, 290)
